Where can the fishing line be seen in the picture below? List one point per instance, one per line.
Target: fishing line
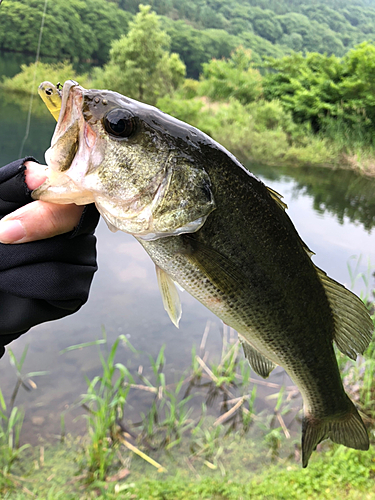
(34, 79)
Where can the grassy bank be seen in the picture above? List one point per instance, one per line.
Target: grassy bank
(332, 474)
(201, 437)
(261, 130)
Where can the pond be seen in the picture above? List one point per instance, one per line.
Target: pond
(333, 210)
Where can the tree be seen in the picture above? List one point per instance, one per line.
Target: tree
(335, 95)
(140, 64)
(106, 23)
(72, 29)
(196, 47)
(267, 26)
(234, 77)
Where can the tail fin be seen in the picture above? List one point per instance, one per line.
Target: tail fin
(347, 429)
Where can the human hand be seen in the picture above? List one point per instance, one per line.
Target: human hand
(38, 220)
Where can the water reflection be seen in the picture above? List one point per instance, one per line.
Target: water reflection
(13, 119)
(342, 193)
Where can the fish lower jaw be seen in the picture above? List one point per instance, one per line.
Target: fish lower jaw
(140, 222)
(60, 189)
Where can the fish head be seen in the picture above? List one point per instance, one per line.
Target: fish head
(137, 164)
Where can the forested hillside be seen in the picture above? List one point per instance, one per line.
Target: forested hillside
(72, 29)
(310, 101)
(330, 26)
(199, 29)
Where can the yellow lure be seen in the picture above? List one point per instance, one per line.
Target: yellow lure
(51, 97)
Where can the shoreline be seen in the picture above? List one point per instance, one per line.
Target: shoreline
(261, 151)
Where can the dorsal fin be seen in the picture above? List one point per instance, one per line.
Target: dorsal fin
(309, 252)
(169, 295)
(353, 324)
(259, 363)
(277, 197)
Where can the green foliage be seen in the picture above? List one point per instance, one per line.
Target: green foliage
(195, 46)
(11, 420)
(11, 417)
(105, 399)
(59, 72)
(72, 29)
(199, 30)
(169, 416)
(266, 26)
(187, 110)
(106, 22)
(234, 77)
(335, 95)
(140, 65)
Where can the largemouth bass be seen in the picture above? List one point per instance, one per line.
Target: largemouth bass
(213, 228)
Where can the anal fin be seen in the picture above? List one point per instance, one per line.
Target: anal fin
(169, 295)
(259, 363)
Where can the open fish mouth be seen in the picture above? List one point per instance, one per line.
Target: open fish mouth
(65, 139)
(72, 138)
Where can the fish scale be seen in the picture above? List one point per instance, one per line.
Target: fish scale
(221, 234)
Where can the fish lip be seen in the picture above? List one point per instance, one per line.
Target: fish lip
(72, 93)
(71, 134)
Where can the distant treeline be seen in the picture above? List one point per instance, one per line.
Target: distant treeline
(199, 29)
(72, 29)
(307, 108)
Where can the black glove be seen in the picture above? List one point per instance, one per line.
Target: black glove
(41, 280)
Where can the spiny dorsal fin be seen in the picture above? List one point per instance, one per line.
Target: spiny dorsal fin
(259, 363)
(309, 252)
(277, 197)
(353, 324)
(169, 294)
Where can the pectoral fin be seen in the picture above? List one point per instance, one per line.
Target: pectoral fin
(170, 297)
(216, 267)
(353, 324)
(259, 363)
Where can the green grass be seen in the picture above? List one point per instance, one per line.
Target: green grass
(11, 417)
(336, 473)
(224, 451)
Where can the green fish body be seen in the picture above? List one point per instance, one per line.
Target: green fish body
(217, 231)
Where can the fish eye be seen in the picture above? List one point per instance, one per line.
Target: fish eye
(119, 122)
